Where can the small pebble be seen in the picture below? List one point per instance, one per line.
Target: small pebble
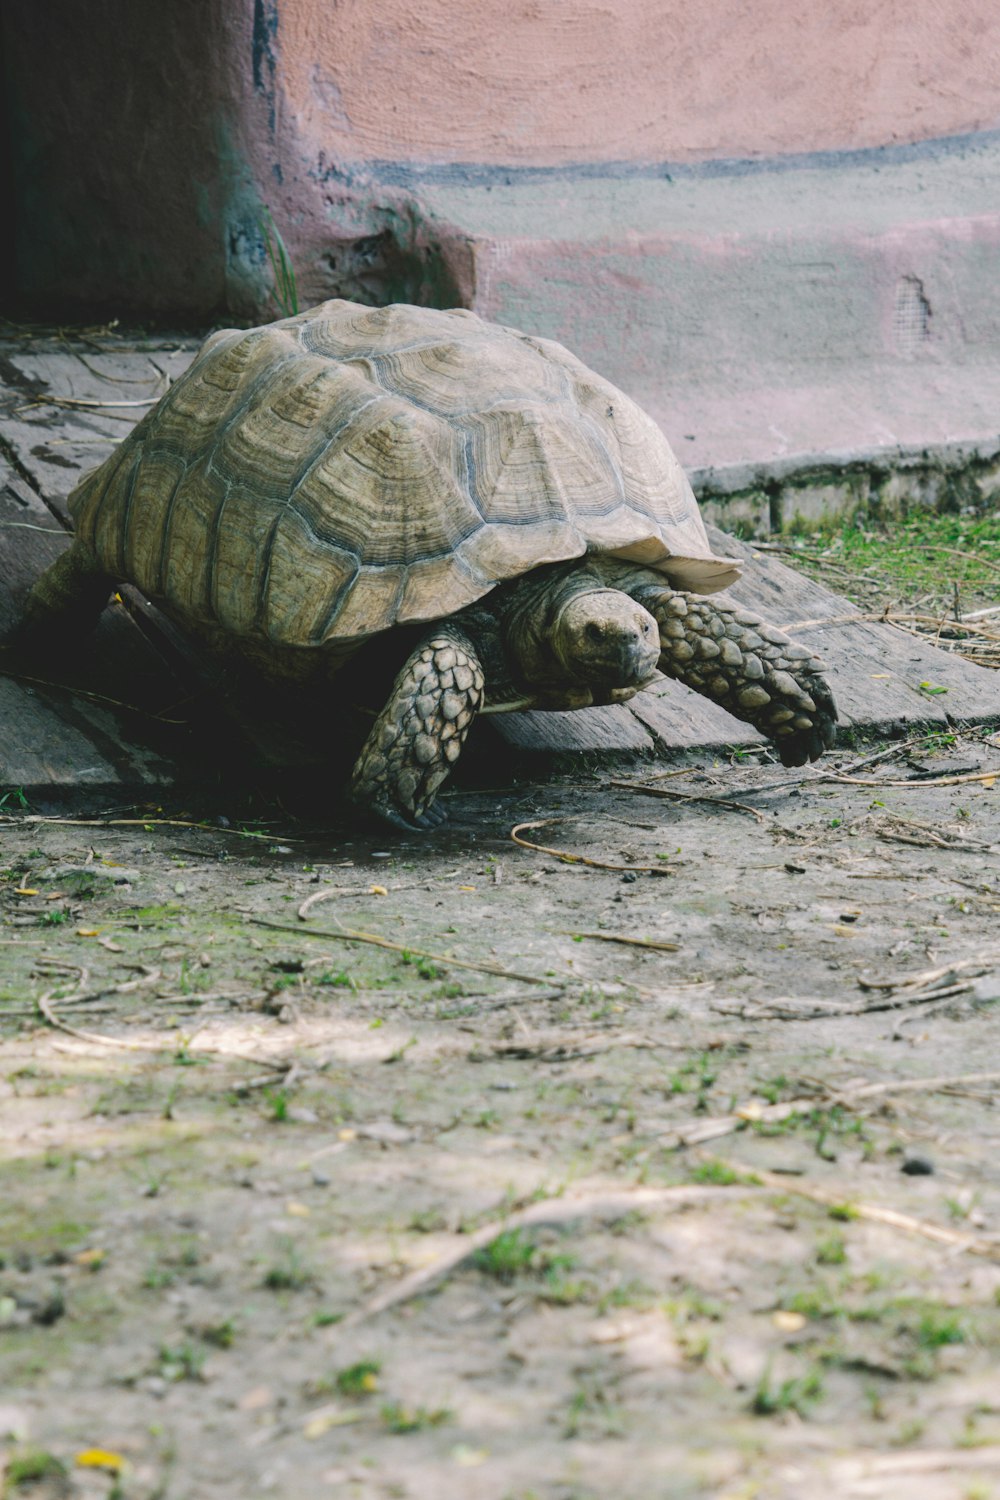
(630, 876)
(918, 1166)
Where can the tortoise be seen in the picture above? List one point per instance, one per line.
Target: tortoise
(475, 497)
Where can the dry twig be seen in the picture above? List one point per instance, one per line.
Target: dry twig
(240, 833)
(632, 942)
(578, 859)
(971, 1244)
(608, 1205)
(560, 1047)
(923, 781)
(662, 791)
(349, 935)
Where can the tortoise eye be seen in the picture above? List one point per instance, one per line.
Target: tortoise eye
(593, 632)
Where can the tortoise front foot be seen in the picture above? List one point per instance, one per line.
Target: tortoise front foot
(749, 668)
(418, 736)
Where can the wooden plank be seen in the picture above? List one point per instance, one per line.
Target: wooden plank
(681, 719)
(585, 729)
(57, 441)
(30, 539)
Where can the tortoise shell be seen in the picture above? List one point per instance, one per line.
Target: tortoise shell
(333, 474)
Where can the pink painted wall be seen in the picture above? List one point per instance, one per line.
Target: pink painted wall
(145, 139)
(530, 83)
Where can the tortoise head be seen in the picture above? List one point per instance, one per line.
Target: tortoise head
(605, 639)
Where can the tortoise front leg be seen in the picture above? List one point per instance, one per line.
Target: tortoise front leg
(419, 734)
(747, 666)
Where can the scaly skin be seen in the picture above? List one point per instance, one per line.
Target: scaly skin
(747, 666)
(419, 734)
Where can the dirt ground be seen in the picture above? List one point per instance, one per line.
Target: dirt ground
(670, 1171)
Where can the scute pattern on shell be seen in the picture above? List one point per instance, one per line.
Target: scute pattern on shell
(333, 474)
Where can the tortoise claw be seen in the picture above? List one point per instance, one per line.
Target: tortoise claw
(418, 822)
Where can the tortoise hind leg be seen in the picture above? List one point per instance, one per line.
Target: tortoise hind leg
(419, 734)
(64, 604)
(746, 666)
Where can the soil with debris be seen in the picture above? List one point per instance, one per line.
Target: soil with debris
(340, 1162)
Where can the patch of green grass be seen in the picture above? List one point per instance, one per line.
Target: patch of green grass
(817, 1302)
(831, 1251)
(157, 1278)
(937, 1326)
(842, 1212)
(359, 1379)
(564, 1291)
(277, 1103)
(399, 1418)
(924, 553)
(798, 1393)
(510, 1255)
(773, 1089)
(341, 980)
(326, 1318)
(695, 1076)
(514, 1254)
(718, 1172)
(285, 289)
(910, 1330)
(288, 1274)
(449, 991)
(221, 1335)
(166, 914)
(833, 1123)
(591, 1414)
(629, 1293)
(30, 1466)
(181, 1362)
(691, 1305)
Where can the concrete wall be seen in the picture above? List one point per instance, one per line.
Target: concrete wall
(147, 138)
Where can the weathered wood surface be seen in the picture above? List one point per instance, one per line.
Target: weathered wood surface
(62, 409)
